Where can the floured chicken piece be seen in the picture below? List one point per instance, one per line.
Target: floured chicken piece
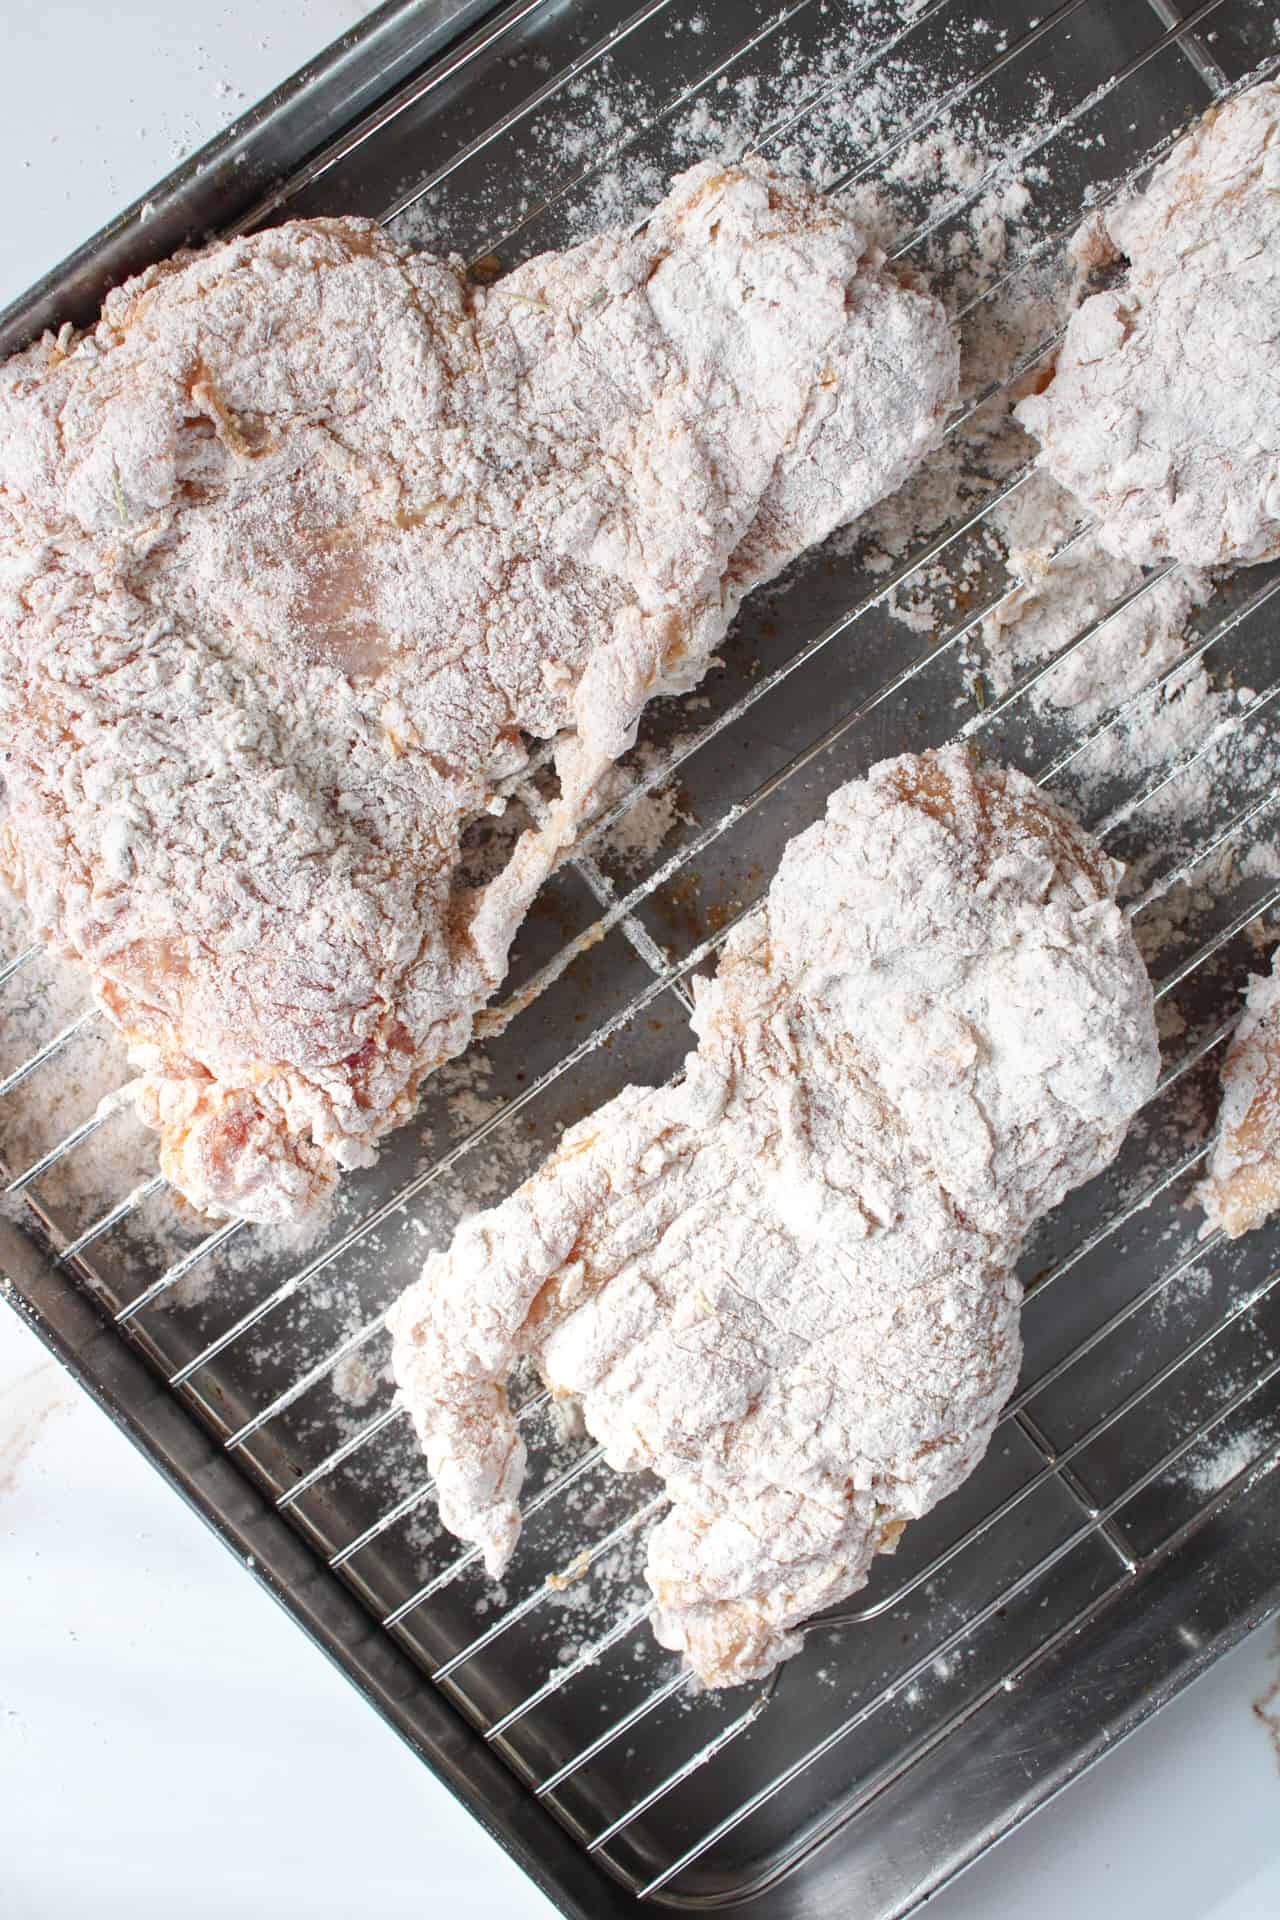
(1243, 1187)
(1163, 415)
(309, 538)
(785, 1283)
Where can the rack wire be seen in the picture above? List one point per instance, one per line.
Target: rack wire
(1151, 1392)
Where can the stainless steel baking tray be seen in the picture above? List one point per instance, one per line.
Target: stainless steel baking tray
(1123, 1530)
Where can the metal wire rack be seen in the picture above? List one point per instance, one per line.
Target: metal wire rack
(1150, 1400)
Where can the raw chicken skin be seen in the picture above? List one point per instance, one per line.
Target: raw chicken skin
(304, 544)
(785, 1283)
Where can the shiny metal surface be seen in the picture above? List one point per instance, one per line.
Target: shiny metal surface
(1085, 1572)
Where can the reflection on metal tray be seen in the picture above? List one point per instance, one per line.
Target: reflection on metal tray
(1123, 1529)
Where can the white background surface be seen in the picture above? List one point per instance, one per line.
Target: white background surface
(169, 1741)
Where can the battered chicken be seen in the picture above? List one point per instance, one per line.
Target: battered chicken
(1163, 416)
(785, 1283)
(309, 538)
(1243, 1188)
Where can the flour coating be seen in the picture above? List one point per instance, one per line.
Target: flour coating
(1163, 414)
(785, 1282)
(1243, 1187)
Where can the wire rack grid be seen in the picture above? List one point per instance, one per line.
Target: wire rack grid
(1151, 1389)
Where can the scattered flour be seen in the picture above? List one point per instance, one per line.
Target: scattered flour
(1209, 1474)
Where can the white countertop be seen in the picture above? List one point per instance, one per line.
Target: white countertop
(169, 1740)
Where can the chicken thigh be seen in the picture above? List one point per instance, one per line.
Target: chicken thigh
(785, 1283)
(307, 542)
